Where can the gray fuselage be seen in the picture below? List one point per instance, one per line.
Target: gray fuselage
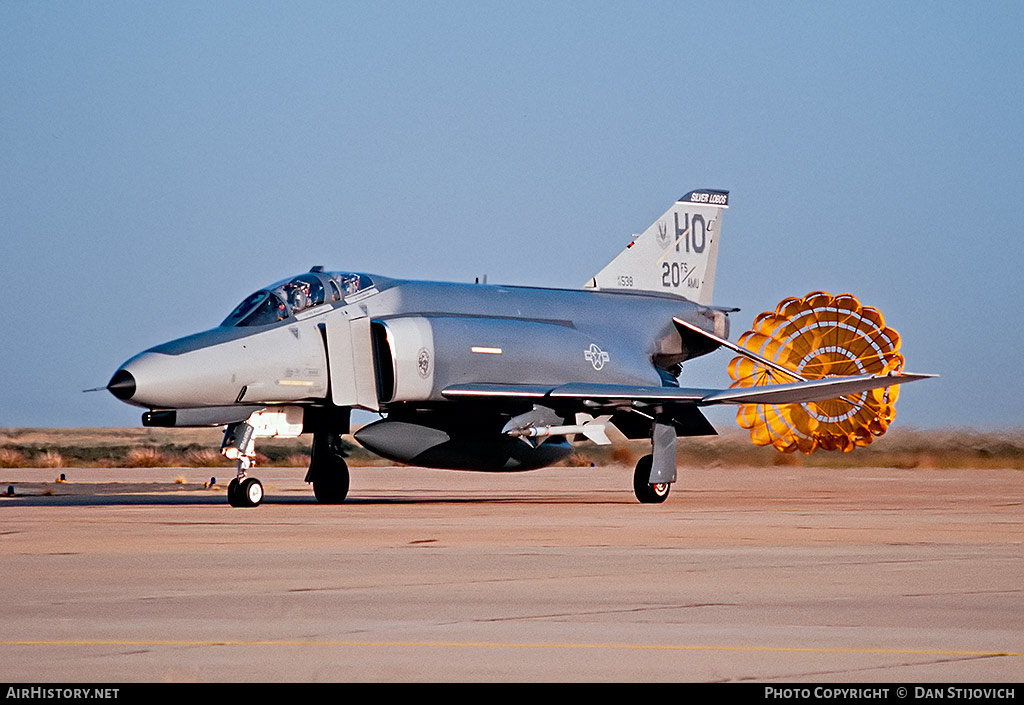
(395, 346)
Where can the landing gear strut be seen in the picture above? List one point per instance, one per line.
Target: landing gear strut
(240, 445)
(327, 468)
(243, 491)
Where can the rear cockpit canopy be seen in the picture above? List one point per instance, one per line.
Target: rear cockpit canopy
(291, 296)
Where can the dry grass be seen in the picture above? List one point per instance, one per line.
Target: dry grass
(143, 447)
(296, 460)
(11, 458)
(146, 458)
(205, 458)
(50, 459)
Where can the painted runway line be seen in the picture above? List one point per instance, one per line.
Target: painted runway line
(508, 645)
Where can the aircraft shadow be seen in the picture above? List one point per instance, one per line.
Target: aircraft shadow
(185, 500)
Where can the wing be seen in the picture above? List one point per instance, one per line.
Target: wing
(681, 403)
(606, 395)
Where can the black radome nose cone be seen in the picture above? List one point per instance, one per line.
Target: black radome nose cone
(122, 385)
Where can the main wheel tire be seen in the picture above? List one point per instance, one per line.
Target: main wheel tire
(250, 492)
(330, 480)
(327, 469)
(646, 492)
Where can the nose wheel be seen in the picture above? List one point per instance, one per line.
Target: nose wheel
(245, 492)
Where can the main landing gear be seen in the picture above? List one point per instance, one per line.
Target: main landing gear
(656, 472)
(327, 468)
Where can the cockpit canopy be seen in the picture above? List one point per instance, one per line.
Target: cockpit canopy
(290, 296)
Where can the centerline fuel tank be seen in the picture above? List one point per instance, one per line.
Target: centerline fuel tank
(460, 441)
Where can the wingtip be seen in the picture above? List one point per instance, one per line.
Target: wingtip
(912, 376)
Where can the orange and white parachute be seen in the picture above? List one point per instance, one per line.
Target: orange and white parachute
(819, 336)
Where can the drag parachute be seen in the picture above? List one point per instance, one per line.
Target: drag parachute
(815, 337)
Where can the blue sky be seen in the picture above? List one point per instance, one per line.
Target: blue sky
(159, 161)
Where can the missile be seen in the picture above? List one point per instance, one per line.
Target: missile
(593, 429)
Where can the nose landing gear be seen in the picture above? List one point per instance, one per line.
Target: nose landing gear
(239, 445)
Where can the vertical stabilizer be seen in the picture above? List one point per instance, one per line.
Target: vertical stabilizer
(677, 254)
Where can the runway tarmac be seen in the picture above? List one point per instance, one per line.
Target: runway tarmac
(744, 574)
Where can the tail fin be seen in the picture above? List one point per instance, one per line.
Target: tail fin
(677, 254)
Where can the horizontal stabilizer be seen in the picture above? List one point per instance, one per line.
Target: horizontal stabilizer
(685, 325)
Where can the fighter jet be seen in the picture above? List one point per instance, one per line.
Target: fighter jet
(471, 376)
